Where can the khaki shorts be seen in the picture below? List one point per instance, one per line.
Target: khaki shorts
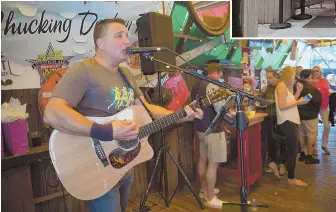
(213, 146)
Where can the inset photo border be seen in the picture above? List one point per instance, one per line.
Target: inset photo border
(290, 19)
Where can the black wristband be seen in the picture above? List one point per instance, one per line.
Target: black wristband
(102, 132)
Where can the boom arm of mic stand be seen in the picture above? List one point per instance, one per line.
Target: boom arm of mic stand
(148, 56)
(216, 82)
(227, 86)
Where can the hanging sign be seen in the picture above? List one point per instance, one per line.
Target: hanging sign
(39, 38)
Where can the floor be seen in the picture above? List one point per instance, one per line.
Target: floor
(319, 196)
(328, 9)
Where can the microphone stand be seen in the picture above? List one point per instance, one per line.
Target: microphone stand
(302, 15)
(241, 124)
(162, 153)
(281, 24)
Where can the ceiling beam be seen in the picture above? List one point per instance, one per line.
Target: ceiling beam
(189, 37)
(182, 41)
(189, 55)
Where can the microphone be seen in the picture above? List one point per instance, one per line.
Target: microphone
(144, 50)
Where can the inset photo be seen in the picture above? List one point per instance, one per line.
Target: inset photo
(283, 18)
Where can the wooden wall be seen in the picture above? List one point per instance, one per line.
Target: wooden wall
(268, 11)
(288, 10)
(47, 190)
(15, 184)
(249, 14)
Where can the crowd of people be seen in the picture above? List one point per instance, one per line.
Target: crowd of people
(301, 99)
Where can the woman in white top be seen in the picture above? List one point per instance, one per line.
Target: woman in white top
(288, 118)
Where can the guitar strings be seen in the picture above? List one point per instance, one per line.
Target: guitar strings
(158, 124)
(148, 129)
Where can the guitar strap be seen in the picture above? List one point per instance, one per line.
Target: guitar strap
(136, 93)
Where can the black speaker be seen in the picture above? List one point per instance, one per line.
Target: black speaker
(156, 30)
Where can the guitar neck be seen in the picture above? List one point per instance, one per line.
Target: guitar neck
(170, 119)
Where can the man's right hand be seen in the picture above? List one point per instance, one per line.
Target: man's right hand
(124, 130)
(302, 101)
(299, 88)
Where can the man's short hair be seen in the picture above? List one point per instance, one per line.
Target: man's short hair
(101, 27)
(306, 73)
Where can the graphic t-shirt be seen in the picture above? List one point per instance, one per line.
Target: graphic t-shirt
(202, 89)
(93, 90)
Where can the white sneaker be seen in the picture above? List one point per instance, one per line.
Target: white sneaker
(202, 192)
(214, 203)
(274, 169)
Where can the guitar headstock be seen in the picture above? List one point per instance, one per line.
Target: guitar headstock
(217, 95)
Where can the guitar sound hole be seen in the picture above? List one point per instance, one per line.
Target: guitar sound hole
(128, 144)
(120, 158)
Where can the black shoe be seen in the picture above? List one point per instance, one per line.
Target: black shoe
(312, 161)
(302, 157)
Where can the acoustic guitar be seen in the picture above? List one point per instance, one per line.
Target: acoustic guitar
(89, 168)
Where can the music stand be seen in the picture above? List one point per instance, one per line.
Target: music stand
(221, 114)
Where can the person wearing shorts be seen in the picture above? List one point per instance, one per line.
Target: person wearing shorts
(213, 146)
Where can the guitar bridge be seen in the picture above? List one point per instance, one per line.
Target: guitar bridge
(100, 152)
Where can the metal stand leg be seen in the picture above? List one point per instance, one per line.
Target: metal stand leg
(162, 154)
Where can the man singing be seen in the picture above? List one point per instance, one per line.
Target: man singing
(95, 87)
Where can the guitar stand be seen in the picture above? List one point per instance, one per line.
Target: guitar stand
(162, 154)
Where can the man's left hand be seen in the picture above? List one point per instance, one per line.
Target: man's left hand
(191, 114)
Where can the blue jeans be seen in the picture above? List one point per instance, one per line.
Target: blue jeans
(116, 199)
